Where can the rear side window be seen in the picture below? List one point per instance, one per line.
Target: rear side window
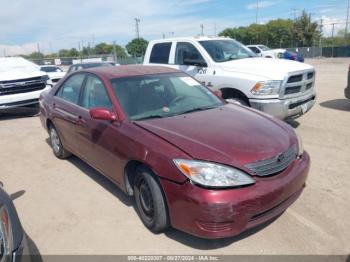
(70, 90)
(254, 49)
(160, 53)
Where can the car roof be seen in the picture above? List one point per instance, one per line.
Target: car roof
(130, 70)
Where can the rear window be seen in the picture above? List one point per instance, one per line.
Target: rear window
(160, 53)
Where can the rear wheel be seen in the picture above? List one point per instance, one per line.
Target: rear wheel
(150, 202)
(56, 144)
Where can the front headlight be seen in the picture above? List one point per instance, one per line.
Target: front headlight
(300, 144)
(212, 175)
(44, 78)
(6, 239)
(266, 88)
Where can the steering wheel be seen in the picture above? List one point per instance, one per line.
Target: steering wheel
(176, 99)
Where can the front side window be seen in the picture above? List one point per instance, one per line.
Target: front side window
(254, 49)
(70, 90)
(160, 53)
(162, 95)
(226, 50)
(186, 51)
(95, 94)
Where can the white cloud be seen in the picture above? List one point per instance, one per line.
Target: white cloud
(261, 4)
(92, 21)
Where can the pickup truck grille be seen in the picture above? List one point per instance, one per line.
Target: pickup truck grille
(273, 166)
(299, 83)
(21, 86)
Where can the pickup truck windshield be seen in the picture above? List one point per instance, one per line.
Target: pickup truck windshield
(226, 50)
(162, 95)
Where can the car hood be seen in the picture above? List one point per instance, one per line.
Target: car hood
(273, 69)
(15, 74)
(231, 134)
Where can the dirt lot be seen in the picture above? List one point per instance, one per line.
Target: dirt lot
(68, 208)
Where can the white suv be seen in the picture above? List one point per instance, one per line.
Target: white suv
(279, 87)
(21, 82)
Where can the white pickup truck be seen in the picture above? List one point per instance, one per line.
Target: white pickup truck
(21, 82)
(281, 88)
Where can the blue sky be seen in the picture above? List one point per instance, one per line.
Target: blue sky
(64, 23)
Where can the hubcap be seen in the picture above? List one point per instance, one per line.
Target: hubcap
(55, 141)
(146, 200)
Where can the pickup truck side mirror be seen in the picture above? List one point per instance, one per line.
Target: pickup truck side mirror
(195, 62)
(102, 114)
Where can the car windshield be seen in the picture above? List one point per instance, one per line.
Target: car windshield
(50, 69)
(162, 95)
(226, 50)
(264, 48)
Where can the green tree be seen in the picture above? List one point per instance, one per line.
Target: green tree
(104, 48)
(306, 32)
(35, 55)
(137, 47)
(280, 33)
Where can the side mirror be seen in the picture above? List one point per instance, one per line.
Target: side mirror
(195, 62)
(102, 114)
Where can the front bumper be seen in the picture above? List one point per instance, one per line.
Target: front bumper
(347, 92)
(285, 108)
(21, 99)
(213, 213)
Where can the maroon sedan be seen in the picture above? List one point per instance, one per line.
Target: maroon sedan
(190, 160)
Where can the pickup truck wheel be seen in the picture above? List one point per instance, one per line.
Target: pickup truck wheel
(150, 202)
(56, 144)
(237, 100)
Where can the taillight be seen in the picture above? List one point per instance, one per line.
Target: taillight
(6, 240)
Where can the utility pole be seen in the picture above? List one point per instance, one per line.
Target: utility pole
(114, 52)
(333, 39)
(38, 47)
(257, 11)
(202, 30)
(137, 22)
(347, 23)
(320, 44)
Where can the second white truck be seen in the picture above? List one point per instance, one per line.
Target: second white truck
(281, 88)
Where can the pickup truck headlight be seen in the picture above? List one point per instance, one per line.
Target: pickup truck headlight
(212, 174)
(266, 88)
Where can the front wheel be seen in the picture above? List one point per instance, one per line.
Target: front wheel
(150, 202)
(56, 144)
(237, 100)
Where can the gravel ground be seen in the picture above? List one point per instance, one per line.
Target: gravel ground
(68, 208)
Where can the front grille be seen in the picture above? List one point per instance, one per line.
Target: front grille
(21, 86)
(299, 83)
(296, 78)
(292, 90)
(273, 166)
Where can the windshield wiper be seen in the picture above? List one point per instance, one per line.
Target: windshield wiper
(198, 109)
(148, 117)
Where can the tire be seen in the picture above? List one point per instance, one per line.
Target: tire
(237, 100)
(56, 144)
(150, 202)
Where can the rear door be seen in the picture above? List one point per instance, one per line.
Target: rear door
(66, 110)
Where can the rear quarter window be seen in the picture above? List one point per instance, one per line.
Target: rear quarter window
(160, 53)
